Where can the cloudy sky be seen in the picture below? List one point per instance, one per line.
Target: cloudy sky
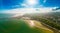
(12, 5)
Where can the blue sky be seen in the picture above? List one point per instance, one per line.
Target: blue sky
(8, 4)
(12, 4)
(52, 3)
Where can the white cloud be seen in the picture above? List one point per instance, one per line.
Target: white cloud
(22, 11)
(28, 10)
(44, 1)
(29, 3)
(55, 7)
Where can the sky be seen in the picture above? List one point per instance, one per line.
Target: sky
(18, 4)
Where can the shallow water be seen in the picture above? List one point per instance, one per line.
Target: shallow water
(5, 15)
(16, 26)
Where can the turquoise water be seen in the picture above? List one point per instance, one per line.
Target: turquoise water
(16, 26)
(4, 15)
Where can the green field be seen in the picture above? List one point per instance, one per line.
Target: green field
(18, 26)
